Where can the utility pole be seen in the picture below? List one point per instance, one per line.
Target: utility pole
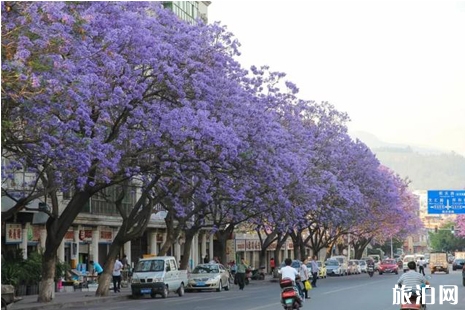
(348, 247)
(392, 254)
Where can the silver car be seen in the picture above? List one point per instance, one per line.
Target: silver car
(208, 277)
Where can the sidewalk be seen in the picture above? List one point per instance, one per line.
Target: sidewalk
(71, 299)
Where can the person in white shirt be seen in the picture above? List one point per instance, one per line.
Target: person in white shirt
(117, 275)
(288, 271)
(421, 265)
(291, 273)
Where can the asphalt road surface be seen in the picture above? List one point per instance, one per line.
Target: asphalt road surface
(354, 292)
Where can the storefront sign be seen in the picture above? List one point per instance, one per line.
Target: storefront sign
(14, 233)
(253, 245)
(272, 246)
(106, 235)
(85, 235)
(290, 245)
(33, 233)
(240, 245)
(69, 236)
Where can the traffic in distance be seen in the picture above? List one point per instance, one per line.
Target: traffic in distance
(160, 276)
(349, 286)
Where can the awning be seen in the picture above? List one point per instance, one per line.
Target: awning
(37, 218)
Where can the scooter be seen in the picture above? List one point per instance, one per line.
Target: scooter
(413, 305)
(370, 271)
(289, 295)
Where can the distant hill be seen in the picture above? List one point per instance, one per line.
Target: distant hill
(426, 168)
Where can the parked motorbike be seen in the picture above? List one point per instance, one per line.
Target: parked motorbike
(258, 274)
(370, 270)
(289, 295)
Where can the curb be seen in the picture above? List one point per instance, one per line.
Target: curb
(60, 305)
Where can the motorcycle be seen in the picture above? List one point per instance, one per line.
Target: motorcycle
(370, 270)
(289, 295)
(258, 274)
(413, 305)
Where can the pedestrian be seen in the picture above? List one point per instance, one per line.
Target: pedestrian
(240, 273)
(206, 259)
(315, 270)
(421, 266)
(124, 261)
(117, 275)
(272, 265)
(304, 275)
(97, 268)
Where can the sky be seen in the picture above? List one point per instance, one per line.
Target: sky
(396, 67)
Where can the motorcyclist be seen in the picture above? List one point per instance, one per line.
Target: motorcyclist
(412, 280)
(291, 273)
(370, 266)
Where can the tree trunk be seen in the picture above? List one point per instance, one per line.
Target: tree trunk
(189, 235)
(359, 247)
(47, 284)
(107, 276)
(133, 226)
(56, 229)
(222, 236)
(172, 233)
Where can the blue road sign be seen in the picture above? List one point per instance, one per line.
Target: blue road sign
(446, 202)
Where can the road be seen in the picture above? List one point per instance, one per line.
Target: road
(349, 293)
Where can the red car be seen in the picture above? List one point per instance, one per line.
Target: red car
(388, 266)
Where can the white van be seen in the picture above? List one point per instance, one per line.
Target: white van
(411, 258)
(343, 261)
(158, 276)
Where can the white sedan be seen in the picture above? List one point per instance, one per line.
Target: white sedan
(208, 277)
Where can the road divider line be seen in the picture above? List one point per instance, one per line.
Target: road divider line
(265, 306)
(350, 287)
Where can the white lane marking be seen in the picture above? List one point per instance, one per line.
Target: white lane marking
(266, 306)
(351, 287)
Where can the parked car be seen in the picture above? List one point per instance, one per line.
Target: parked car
(352, 267)
(458, 263)
(342, 261)
(208, 277)
(388, 266)
(333, 268)
(295, 264)
(363, 265)
(321, 272)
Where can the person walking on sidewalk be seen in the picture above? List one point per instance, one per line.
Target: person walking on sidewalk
(240, 273)
(272, 265)
(304, 275)
(315, 270)
(117, 275)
